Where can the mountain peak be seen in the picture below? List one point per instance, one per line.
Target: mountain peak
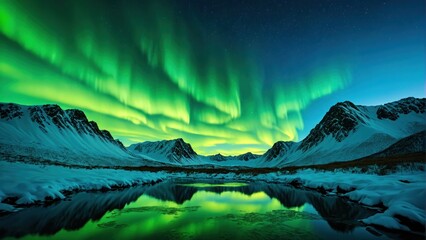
(247, 156)
(183, 149)
(174, 150)
(218, 157)
(339, 121)
(345, 104)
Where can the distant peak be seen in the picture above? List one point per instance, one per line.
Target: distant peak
(174, 150)
(247, 156)
(218, 157)
(344, 105)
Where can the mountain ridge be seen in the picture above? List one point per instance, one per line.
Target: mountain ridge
(347, 131)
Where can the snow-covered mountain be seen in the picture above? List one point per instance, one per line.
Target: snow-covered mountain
(246, 156)
(178, 152)
(349, 131)
(48, 132)
(346, 132)
(174, 151)
(218, 157)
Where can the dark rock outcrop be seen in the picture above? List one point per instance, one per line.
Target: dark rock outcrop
(393, 110)
(9, 111)
(278, 150)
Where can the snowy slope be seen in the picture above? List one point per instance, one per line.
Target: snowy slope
(350, 131)
(29, 183)
(415, 143)
(50, 133)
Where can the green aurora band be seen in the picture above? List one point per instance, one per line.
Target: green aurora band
(150, 74)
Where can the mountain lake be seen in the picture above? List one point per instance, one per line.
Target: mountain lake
(195, 209)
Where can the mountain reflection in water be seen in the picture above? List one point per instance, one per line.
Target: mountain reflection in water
(181, 209)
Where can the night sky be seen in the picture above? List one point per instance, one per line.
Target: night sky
(227, 76)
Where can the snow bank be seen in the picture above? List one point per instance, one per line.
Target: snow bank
(29, 183)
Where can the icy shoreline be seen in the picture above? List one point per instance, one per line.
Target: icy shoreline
(402, 194)
(29, 183)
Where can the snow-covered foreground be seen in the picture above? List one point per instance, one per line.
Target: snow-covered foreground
(30, 183)
(403, 193)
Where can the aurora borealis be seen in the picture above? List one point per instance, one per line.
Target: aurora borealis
(153, 70)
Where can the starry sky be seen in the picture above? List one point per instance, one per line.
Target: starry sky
(226, 76)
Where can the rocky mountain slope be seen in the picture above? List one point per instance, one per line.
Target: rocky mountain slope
(278, 150)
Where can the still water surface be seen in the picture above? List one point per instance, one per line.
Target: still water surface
(184, 209)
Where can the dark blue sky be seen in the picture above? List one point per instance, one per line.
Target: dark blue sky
(382, 42)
